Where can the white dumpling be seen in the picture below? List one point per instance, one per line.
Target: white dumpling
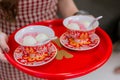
(86, 24)
(29, 41)
(73, 26)
(41, 37)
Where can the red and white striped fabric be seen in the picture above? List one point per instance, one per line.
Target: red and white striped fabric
(30, 11)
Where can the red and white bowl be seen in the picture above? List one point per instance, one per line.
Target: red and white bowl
(38, 53)
(32, 31)
(78, 25)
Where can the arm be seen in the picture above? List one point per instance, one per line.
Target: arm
(67, 7)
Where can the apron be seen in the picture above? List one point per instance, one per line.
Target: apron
(29, 11)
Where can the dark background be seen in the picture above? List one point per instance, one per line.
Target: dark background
(109, 9)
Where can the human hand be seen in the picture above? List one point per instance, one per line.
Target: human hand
(3, 46)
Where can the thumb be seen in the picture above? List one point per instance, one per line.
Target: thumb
(3, 42)
(2, 56)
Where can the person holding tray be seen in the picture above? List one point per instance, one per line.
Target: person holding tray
(17, 13)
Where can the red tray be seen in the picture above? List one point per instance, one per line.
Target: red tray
(82, 62)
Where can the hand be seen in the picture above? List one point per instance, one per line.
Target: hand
(3, 46)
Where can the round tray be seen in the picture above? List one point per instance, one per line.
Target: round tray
(81, 62)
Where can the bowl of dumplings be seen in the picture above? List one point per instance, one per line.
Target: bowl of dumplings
(35, 45)
(80, 25)
(34, 35)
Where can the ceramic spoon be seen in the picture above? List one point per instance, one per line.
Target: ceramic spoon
(49, 39)
(96, 19)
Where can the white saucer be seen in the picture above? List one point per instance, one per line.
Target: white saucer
(92, 42)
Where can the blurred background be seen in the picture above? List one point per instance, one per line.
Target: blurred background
(110, 10)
